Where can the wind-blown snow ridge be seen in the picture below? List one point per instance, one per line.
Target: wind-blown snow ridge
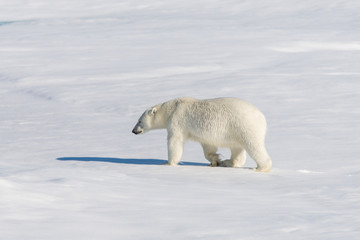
(318, 46)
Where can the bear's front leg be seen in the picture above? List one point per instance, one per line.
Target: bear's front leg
(175, 148)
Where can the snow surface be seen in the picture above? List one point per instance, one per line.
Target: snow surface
(76, 75)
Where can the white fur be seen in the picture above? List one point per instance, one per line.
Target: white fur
(220, 122)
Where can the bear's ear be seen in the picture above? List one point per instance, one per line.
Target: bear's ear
(152, 111)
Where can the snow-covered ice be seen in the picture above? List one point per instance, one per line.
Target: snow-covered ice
(76, 75)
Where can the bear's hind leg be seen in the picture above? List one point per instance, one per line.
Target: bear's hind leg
(261, 157)
(211, 155)
(238, 158)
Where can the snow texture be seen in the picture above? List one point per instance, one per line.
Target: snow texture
(76, 75)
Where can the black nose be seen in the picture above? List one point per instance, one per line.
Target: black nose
(134, 131)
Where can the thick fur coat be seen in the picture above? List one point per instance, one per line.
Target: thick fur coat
(220, 122)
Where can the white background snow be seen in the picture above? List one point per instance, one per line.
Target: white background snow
(75, 75)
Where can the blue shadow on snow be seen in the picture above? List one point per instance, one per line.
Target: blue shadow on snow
(135, 161)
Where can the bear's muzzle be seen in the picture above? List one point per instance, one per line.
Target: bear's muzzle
(137, 130)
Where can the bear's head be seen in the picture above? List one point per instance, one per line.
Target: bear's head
(146, 121)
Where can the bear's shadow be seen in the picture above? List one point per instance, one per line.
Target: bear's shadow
(135, 161)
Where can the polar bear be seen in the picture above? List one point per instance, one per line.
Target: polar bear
(222, 122)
